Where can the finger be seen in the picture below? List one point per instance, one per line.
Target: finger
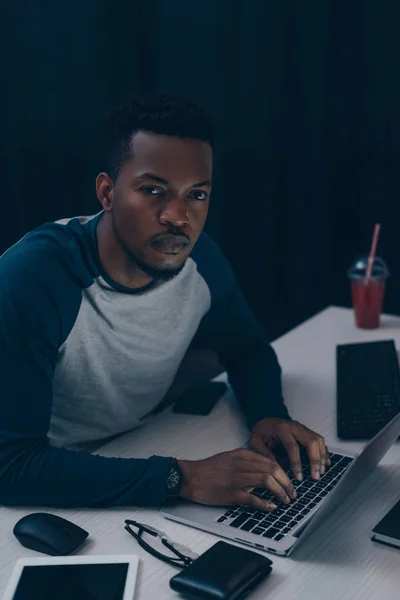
(311, 442)
(291, 446)
(255, 502)
(328, 458)
(314, 454)
(322, 453)
(258, 464)
(276, 481)
(257, 445)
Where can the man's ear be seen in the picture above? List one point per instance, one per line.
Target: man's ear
(105, 191)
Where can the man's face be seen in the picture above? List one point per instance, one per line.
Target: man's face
(160, 201)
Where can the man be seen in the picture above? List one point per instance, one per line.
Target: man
(96, 315)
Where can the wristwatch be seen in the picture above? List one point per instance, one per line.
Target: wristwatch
(174, 480)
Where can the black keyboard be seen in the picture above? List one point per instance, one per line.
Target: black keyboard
(279, 523)
(368, 388)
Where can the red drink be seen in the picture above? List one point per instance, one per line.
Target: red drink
(367, 302)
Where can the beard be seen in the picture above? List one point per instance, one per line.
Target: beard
(160, 273)
(164, 273)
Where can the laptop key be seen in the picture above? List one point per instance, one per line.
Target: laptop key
(280, 525)
(278, 512)
(298, 518)
(311, 505)
(318, 499)
(302, 489)
(271, 532)
(286, 530)
(292, 513)
(270, 516)
(319, 485)
(249, 525)
(221, 520)
(240, 520)
(267, 522)
(335, 471)
(259, 515)
(323, 493)
(310, 496)
(302, 502)
(279, 537)
(267, 494)
(335, 458)
(285, 519)
(258, 530)
(308, 484)
(305, 511)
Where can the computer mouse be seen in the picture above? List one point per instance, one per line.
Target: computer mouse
(49, 534)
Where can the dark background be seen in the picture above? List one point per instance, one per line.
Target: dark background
(307, 96)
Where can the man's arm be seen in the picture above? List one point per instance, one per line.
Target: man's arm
(249, 359)
(31, 471)
(231, 329)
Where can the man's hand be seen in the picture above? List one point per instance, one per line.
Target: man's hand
(226, 478)
(269, 432)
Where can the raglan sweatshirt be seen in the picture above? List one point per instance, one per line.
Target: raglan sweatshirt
(83, 358)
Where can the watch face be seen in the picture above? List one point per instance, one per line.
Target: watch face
(173, 479)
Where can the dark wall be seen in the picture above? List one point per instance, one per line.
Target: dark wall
(307, 96)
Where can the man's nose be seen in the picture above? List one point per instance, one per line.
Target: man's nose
(175, 212)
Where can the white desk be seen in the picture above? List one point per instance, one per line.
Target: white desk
(338, 562)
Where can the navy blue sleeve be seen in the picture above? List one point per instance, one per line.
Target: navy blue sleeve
(39, 301)
(232, 331)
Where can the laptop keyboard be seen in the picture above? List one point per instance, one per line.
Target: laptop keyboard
(280, 522)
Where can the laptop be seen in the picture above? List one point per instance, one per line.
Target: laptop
(287, 526)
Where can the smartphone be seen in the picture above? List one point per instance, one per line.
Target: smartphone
(200, 398)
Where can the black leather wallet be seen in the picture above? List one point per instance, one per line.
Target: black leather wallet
(224, 572)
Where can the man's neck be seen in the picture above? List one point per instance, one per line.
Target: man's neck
(114, 259)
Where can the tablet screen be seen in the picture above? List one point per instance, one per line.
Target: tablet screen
(72, 582)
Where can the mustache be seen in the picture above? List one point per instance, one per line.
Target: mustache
(177, 237)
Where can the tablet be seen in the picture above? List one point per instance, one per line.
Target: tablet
(74, 578)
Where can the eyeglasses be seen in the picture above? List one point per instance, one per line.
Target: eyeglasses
(183, 555)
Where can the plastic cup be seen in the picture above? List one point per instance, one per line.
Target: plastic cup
(368, 296)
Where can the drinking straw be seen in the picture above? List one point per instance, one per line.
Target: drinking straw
(372, 253)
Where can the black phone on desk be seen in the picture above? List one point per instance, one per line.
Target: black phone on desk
(200, 398)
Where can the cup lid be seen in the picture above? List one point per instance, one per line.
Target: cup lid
(358, 268)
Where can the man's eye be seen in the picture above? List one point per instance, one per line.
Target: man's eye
(199, 195)
(151, 190)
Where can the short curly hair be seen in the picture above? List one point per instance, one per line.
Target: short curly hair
(159, 113)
